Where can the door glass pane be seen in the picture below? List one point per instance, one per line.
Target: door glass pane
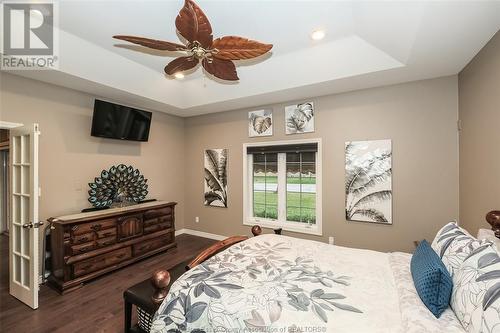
(25, 241)
(26, 272)
(17, 268)
(301, 187)
(25, 180)
(26, 149)
(17, 149)
(16, 180)
(17, 238)
(16, 211)
(25, 213)
(265, 185)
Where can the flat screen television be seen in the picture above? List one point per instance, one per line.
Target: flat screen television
(120, 122)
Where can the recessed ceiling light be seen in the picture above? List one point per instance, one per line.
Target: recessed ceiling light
(179, 75)
(318, 34)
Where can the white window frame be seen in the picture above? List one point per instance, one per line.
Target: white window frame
(249, 219)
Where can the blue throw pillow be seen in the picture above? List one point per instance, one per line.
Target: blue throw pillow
(431, 279)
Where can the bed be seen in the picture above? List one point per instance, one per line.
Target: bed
(274, 283)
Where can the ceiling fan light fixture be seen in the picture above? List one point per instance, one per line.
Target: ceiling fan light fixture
(318, 34)
(215, 55)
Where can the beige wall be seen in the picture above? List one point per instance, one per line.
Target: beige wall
(70, 158)
(479, 91)
(420, 118)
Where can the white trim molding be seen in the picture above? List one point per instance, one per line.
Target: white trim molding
(199, 234)
(8, 125)
(248, 219)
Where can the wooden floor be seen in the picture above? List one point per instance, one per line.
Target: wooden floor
(97, 307)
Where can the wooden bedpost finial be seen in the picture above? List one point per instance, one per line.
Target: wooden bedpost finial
(256, 230)
(161, 281)
(493, 218)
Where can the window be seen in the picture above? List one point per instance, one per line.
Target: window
(282, 187)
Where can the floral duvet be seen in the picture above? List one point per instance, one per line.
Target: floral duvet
(274, 283)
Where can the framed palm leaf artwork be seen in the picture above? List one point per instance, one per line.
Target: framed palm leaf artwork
(215, 190)
(260, 123)
(299, 118)
(368, 181)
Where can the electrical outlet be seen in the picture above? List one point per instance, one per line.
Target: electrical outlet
(331, 240)
(197, 219)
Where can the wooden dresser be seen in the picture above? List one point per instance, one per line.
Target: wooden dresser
(87, 245)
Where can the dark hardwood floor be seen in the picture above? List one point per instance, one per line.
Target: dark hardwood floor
(97, 306)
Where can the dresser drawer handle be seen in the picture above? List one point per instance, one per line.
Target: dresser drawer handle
(96, 227)
(106, 234)
(83, 239)
(107, 243)
(84, 268)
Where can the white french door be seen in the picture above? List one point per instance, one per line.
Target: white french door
(24, 232)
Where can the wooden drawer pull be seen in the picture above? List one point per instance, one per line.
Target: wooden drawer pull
(107, 243)
(106, 234)
(84, 268)
(96, 227)
(83, 239)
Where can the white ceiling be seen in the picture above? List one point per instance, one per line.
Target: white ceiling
(368, 44)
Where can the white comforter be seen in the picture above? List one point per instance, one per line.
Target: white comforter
(281, 284)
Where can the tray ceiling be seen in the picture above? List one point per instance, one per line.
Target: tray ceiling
(367, 44)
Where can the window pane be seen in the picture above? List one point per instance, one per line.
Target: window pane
(292, 157)
(265, 185)
(259, 210)
(293, 206)
(308, 215)
(301, 187)
(308, 157)
(309, 200)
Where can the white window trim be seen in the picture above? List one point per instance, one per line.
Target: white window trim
(299, 227)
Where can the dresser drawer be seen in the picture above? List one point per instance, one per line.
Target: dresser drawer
(152, 244)
(83, 238)
(161, 219)
(149, 214)
(82, 248)
(96, 226)
(106, 233)
(157, 227)
(103, 242)
(101, 261)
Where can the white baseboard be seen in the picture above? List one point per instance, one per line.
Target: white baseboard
(200, 234)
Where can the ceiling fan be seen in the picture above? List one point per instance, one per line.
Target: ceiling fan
(216, 56)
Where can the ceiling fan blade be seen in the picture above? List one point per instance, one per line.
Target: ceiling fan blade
(223, 69)
(181, 64)
(193, 24)
(152, 43)
(239, 48)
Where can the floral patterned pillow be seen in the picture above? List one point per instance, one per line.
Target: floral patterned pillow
(476, 291)
(453, 244)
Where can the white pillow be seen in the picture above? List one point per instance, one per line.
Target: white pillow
(476, 291)
(453, 244)
(488, 234)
